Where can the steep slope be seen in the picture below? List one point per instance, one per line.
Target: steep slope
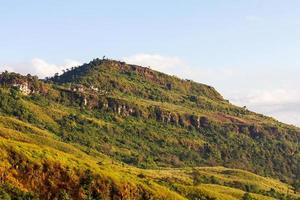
(36, 165)
(186, 122)
(92, 119)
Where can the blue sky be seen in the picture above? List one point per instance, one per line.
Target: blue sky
(248, 50)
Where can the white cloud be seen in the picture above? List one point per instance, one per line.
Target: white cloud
(283, 104)
(155, 61)
(42, 68)
(289, 114)
(39, 67)
(269, 97)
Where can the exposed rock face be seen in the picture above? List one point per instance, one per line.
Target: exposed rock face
(119, 107)
(174, 118)
(169, 86)
(24, 88)
(179, 119)
(94, 88)
(82, 89)
(25, 84)
(96, 100)
(85, 102)
(243, 129)
(195, 121)
(255, 132)
(77, 88)
(204, 122)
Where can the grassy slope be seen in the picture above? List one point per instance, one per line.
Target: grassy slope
(51, 144)
(33, 148)
(256, 142)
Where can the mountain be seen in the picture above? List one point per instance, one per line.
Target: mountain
(111, 130)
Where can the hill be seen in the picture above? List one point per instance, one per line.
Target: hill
(111, 130)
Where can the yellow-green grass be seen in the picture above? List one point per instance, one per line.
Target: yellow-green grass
(223, 192)
(222, 174)
(39, 112)
(38, 145)
(37, 154)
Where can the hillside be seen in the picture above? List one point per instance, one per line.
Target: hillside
(111, 130)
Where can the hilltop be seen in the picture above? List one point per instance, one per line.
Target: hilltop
(111, 130)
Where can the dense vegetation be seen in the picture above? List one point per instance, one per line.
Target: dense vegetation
(109, 130)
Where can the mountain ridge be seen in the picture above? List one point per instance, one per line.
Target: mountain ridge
(149, 120)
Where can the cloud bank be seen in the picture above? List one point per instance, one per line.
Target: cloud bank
(283, 104)
(167, 64)
(39, 67)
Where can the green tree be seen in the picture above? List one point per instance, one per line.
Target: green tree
(296, 185)
(4, 195)
(246, 196)
(64, 195)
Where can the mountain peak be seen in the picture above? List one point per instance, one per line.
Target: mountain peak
(132, 79)
(141, 117)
